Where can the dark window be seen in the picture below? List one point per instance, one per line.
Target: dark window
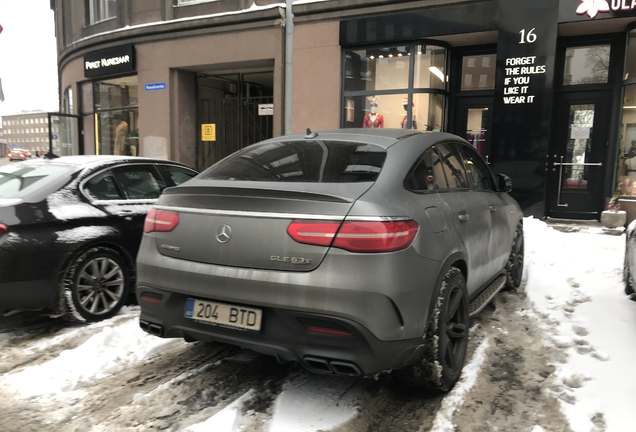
(438, 171)
(477, 169)
(140, 182)
(421, 178)
(103, 187)
(178, 174)
(453, 166)
(302, 161)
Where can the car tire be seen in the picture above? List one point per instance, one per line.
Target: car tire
(514, 266)
(446, 339)
(629, 288)
(96, 285)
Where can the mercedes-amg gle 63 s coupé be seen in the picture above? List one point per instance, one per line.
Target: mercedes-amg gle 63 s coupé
(353, 252)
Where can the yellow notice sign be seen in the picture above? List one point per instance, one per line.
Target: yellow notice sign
(208, 132)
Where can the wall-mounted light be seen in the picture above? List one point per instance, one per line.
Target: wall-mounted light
(380, 56)
(371, 57)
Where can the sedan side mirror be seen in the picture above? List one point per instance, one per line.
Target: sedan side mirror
(505, 184)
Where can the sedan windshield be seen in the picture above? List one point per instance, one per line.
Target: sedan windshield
(19, 180)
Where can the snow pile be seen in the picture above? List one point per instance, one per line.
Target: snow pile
(574, 284)
(105, 353)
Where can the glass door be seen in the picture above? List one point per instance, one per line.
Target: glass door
(473, 122)
(576, 162)
(64, 135)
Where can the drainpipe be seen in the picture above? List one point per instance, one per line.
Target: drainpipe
(289, 46)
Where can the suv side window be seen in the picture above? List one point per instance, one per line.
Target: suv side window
(140, 181)
(421, 178)
(477, 169)
(103, 187)
(428, 174)
(179, 174)
(453, 166)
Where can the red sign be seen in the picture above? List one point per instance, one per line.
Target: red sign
(0, 29)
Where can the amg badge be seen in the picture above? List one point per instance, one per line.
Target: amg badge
(290, 260)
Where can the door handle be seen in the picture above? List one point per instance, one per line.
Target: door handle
(492, 208)
(463, 217)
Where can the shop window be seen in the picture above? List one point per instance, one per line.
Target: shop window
(586, 65)
(384, 68)
(478, 72)
(113, 103)
(430, 67)
(384, 85)
(627, 157)
(101, 10)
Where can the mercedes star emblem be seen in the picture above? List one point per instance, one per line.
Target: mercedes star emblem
(224, 234)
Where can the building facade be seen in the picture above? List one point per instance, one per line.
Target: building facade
(27, 130)
(543, 89)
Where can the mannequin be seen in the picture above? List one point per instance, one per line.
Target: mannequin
(404, 122)
(121, 133)
(373, 120)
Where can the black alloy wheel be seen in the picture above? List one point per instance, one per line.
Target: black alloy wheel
(96, 285)
(514, 266)
(446, 340)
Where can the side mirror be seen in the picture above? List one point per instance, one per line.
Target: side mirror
(505, 184)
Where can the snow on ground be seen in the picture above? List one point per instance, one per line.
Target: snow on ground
(574, 285)
(105, 353)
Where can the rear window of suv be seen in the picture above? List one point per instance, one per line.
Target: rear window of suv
(302, 161)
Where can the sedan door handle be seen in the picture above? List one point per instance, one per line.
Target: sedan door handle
(493, 208)
(463, 217)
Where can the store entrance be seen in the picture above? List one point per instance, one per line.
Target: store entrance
(473, 122)
(241, 107)
(577, 155)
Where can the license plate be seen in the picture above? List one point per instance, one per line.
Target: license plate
(224, 314)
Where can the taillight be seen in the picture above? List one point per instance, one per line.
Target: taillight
(161, 221)
(3, 229)
(356, 236)
(319, 233)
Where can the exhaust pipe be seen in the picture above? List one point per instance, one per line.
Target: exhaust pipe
(318, 365)
(345, 368)
(153, 329)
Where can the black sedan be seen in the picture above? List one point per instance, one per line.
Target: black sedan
(70, 229)
(353, 252)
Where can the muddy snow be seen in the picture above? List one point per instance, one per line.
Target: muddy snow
(556, 355)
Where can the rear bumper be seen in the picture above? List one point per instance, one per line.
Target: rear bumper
(285, 335)
(381, 299)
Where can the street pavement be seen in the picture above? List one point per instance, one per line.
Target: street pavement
(4, 160)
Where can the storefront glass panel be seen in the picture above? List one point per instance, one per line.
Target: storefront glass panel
(476, 128)
(118, 132)
(383, 86)
(384, 68)
(111, 105)
(116, 93)
(430, 67)
(627, 155)
(630, 64)
(383, 111)
(587, 65)
(478, 72)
